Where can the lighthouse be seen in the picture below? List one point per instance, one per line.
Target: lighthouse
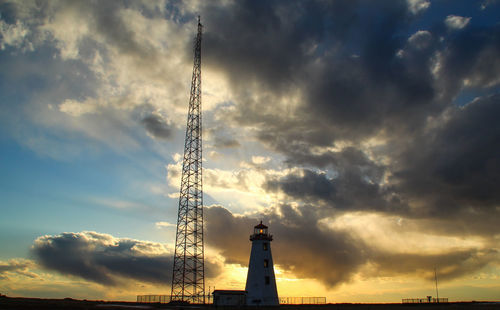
(261, 283)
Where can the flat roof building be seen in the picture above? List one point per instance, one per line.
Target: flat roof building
(229, 298)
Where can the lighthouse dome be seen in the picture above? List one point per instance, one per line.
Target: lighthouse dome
(260, 232)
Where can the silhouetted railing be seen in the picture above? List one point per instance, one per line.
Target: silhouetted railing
(153, 298)
(163, 299)
(302, 300)
(424, 300)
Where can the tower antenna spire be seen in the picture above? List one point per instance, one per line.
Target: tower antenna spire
(188, 278)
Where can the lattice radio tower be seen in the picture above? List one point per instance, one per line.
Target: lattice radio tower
(188, 280)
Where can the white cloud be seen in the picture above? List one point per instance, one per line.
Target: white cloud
(76, 108)
(68, 26)
(240, 189)
(397, 235)
(456, 22)
(120, 204)
(161, 225)
(259, 160)
(417, 6)
(14, 35)
(420, 39)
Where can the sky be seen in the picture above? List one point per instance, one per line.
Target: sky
(365, 134)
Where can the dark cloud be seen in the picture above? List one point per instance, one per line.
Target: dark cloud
(103, 259)
(228, 233)
(224, 142)
(335, 255)
(343, 61)
(353, 184)
(455, 170)
(450, 172)
(359, 71)
(445, 176)
(307, 248)
(157, 126)
(347, 192)
(220, 136)
(355, 67)
(473, 56)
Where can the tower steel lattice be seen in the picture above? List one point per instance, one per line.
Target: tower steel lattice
(188, 280)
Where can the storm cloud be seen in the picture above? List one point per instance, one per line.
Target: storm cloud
(355, 185)
(377, 117)
(349, 87)
(156, 126)
(103, 258)
(452, 172)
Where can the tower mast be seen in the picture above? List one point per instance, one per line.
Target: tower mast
(188, 279)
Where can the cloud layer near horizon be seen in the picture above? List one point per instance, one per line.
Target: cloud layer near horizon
(306, 246)
(104, 259)
(107, 260)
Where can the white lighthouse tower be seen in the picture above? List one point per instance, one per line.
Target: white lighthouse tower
(261, 283)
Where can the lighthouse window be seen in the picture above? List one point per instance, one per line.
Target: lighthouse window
(264, 246)
(266, 263)
(266, 279)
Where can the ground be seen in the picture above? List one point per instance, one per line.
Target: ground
(68, 303)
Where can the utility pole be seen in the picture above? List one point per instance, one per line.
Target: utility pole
(188, 279)
(436, 278)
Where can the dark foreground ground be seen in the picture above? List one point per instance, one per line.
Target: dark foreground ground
(42, 304)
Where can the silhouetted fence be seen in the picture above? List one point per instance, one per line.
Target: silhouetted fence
(302, 300)
(424, 300)
(163, 299)
(283, 300)
(153, 298)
